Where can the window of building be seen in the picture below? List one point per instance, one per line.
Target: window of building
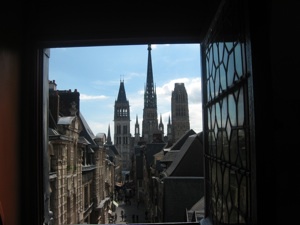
(227, 88)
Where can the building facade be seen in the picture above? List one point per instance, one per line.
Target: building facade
(81, 175)
(122, 136)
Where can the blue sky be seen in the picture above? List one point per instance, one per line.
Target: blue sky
(96, 73)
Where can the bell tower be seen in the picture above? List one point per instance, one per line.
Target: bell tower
(122, 127)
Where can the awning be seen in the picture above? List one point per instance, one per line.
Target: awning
(118, 184)
(103, 202)
(115, 203)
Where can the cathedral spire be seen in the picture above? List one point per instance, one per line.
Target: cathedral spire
(122, 104)
(150, 93)
(108, 136)
(150, 120)
(149, 68)
(122, 93)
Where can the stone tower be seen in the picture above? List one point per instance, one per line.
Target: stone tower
(150, 122)
(180, 111)
(122, 127)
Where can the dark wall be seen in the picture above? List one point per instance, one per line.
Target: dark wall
(181, 193)
(10, 184)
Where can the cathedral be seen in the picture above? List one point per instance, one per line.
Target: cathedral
(152, 129)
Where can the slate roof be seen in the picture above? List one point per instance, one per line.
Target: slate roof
(189, 159)
(170, 156)
(112, 150)
(115, 150)
(177, 145)
(86, 131)
(55, 135)
(82, 140)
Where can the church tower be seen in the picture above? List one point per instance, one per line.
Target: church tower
(136, 131)
(150, 122)
(122, 127)
(180, 111)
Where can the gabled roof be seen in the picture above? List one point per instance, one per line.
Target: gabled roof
(86, 130)
(170, 156)
(112, 150)
(177, 145)
(82, 140)
(189, 159)
(55, 135)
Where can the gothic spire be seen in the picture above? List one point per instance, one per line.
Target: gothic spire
(150, 93)
(122, 93)
(149, 67)
(122, 104)
(108, 136)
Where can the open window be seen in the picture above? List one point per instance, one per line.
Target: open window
(228, 132)
(229, 135)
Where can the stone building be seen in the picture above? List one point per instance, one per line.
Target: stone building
(81, 175)
(180, 111)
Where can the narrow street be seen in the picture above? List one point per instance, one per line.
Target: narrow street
(132, 213)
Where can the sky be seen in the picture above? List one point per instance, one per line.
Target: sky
(96, 73)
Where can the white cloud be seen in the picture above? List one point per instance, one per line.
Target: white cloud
(84, 97)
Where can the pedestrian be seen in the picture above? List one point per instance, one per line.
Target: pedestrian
(122, 215)
(133, 218)
(137, 218)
